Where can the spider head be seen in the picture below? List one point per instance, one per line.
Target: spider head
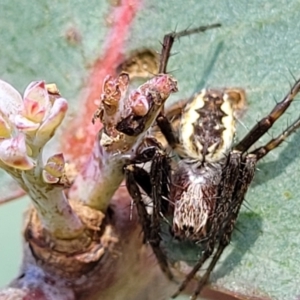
(207, 126)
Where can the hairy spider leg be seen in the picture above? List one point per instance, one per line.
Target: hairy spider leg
(156, 186)
(152, 238)
(160, 175)
(167, 130)
(274, 143)
(246, 173)
(169, 40)
(267, 122)
(165, 122)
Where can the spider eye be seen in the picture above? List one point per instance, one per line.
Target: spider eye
(207, 126)
(191, 229)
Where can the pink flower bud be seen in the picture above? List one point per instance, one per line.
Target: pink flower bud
(11, 101)
(140, 105)
(24, 124)
(36, 101)
(52, 121)
(13, 153)
(55, 165)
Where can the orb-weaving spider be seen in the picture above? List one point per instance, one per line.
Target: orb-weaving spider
(203, 193)
(150, 150)
(211, 179)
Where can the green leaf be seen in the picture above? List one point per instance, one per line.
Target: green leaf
(257, 48)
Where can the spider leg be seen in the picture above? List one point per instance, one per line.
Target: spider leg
(167, 130)
(246, 172)
(152, 237)
(136, 196)
(206, 275)
(272, 144)
(169, 40)
(205, 255)
(157, 183)
(160, 174)
(267, 122)
(227, 186)
(168, 123)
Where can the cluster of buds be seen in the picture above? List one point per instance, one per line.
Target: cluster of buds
(27, 124)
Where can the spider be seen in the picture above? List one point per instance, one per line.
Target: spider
(210, 181)
(206, 186)
(156, 187)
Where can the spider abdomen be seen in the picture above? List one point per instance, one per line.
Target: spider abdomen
(194, 193)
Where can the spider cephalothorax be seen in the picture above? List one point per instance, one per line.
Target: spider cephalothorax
(207, 127)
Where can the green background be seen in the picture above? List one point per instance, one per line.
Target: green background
(257, 48)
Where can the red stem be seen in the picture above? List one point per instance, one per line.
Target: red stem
(79, 139)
